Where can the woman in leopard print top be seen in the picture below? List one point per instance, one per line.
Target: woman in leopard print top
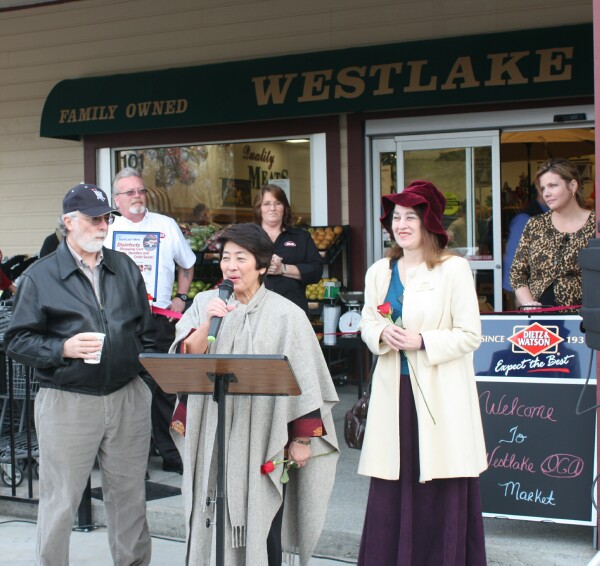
(545, 269)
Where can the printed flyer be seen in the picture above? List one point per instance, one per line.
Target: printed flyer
(142, 248)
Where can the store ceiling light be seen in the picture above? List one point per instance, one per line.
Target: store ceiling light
(297, 140)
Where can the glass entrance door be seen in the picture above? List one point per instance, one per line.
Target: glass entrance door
(466, 168)
(384, 180)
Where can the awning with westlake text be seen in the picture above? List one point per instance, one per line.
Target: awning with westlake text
(537, 64)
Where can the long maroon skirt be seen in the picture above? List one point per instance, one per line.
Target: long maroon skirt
(421, 524)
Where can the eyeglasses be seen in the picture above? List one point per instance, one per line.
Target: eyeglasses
(268, 204)
(133, 192)
(97, 220)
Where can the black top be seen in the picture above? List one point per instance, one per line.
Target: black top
(50, 244)
(296, 247)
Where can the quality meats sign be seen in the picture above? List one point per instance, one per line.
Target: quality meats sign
(519, 347)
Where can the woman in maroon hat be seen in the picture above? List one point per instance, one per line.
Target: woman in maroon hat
(424, 447)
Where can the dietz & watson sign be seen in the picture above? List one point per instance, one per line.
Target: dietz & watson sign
(539, 349)
(524, 65)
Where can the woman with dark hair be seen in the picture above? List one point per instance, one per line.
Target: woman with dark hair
(296, 261)
(423, 447)
(545, 270)
(260, 429)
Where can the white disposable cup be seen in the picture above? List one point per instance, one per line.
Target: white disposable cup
(98, 336)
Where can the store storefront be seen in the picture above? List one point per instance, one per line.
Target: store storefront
(337, 129)
(486, 163)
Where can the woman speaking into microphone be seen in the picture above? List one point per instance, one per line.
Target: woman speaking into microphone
(260, 429)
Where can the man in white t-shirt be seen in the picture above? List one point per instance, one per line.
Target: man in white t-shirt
(175, 253)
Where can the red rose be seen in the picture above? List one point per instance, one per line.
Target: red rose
(267, 468)
(385, 309)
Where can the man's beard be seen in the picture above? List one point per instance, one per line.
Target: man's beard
(91, 244)
(92, 247)
(137, 209)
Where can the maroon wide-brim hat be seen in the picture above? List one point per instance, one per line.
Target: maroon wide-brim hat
(424, 195)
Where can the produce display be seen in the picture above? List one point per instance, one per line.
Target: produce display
(324, 237)
(316, 291)
(199, 237)
(195, 288)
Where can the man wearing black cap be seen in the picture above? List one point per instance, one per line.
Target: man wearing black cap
(92, 401)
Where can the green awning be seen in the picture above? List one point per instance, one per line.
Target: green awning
(537, 64)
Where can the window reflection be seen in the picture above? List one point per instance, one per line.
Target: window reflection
(484, 284)
(224, 178)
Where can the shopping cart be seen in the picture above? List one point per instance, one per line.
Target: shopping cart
(5, 315)
(18, 439)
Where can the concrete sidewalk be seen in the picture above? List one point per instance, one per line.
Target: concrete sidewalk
(17, 543)
(508, 542)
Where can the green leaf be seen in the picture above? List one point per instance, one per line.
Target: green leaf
(284, 475)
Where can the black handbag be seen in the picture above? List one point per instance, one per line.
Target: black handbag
(356, 418)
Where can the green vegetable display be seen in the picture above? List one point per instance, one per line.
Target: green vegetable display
(195, 288)
(199, 235)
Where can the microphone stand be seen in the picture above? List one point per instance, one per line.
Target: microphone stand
(221, 381)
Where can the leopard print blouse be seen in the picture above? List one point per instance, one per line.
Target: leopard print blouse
(545, 256)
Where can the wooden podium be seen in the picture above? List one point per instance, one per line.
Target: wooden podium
(247, 375)
(221, 375)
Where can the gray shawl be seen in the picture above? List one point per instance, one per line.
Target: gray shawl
(256, 431)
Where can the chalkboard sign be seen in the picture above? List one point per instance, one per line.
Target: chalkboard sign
(541, 454)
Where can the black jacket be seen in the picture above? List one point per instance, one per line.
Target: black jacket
(55, 301)
(296, 247)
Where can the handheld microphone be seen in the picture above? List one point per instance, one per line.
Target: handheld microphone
(225, 291)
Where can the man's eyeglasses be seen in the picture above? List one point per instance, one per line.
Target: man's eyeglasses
(97, 220)
(133, 192)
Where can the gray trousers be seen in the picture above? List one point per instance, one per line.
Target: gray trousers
(72, 430)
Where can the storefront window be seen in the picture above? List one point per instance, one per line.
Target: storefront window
(194, 182)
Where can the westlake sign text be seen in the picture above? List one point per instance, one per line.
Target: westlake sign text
(539, 64)
(502, 69)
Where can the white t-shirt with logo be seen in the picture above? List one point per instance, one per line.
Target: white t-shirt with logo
(174, 249)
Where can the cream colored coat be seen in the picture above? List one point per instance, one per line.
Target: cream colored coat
(441, 305)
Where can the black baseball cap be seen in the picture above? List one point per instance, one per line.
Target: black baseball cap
(88, 199)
